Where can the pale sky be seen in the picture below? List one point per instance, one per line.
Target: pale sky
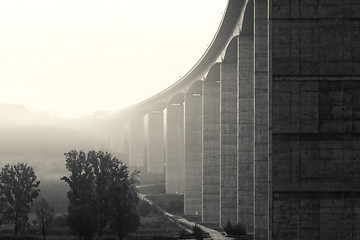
(73, 57)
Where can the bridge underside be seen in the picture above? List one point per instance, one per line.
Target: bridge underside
(269, 135)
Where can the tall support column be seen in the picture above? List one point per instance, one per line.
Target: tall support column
(246, 120)
(174, 138)
(119, 142)
(261, 122)
(228, 135)
(193, 154)
(136, 141)
(211, 146)
(154, 130)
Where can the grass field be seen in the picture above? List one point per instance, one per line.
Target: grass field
(171, 203)
(152, 226)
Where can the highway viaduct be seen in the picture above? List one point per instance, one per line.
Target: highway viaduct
(264, 129)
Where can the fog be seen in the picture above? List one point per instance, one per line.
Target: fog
(41, 140)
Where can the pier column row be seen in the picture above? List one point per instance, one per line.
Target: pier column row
(216, 144)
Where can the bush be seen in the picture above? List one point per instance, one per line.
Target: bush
(144, 208)
(198, 232)
(237, 229)
(18, 237)
(182, 233)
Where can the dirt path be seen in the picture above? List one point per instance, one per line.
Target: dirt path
(215, 235)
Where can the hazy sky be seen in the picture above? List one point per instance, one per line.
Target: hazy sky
(73, 57)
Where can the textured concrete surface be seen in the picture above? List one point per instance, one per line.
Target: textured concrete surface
(262, 229)
(174, 141)
(193, 154)
(315, 119)
(246, 121)
(228, 135)
(154, 129)
(211, 146)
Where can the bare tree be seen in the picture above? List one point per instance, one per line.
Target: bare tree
(44, 214)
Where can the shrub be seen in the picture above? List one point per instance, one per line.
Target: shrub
(237, 229)
(182, 233)
(198, 232)
(144, 208)
(18, 237)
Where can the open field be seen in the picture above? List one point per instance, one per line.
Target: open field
(152, 226)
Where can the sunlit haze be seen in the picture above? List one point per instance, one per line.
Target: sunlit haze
(72, 58)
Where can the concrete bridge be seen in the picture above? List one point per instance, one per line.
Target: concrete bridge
(264, 129)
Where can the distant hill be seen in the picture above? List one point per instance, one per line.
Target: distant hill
(15, 115)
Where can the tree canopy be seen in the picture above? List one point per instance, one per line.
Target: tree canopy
(18, 189)
(102, 194)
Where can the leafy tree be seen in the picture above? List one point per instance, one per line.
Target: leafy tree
(18, 188)
(82, 216)
(44, 214)
(102, 193)
(123, 201)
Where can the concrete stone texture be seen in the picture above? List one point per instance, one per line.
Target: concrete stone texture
(316, 91)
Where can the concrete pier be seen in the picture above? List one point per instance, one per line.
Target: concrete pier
(174, 139)
(246, 120)
(136, 141)
(228, 135)
(193, 152)
(154, 136)
(211, 146)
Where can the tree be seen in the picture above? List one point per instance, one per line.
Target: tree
(123, 201)
(102, 193)
(18, 188)
(82, 215)
(44, 214)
